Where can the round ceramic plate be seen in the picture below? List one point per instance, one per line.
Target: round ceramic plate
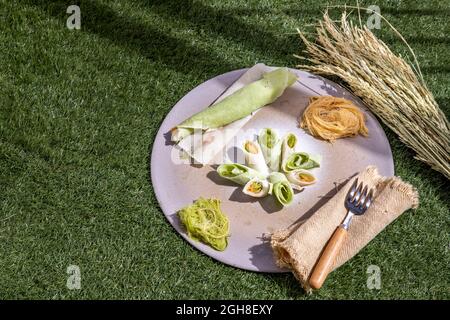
(251, 219)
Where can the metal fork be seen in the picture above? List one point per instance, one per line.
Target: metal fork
(358, 200)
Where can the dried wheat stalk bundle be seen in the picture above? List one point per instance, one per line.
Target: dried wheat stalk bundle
(386, 83)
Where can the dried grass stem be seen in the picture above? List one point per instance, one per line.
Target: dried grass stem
(385, 82)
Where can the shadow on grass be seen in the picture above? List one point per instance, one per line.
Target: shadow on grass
(444, 104)
(445, 12)
(435, 69)
(149, 41)
(224, 23)
(421, 40)
(154, 42)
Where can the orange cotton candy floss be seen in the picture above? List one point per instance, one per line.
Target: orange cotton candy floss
(330, 118)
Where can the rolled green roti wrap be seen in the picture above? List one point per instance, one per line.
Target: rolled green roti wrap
(271, 148)
(239, 104)
(281, 188)
(238, 173)
(301, 160)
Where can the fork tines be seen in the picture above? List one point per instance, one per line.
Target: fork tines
(360, 197)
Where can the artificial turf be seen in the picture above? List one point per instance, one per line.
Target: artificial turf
(79, 113)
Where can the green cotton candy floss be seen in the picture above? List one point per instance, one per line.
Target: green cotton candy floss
(204, 221)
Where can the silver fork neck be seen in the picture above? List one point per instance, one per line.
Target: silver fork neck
(348, 218)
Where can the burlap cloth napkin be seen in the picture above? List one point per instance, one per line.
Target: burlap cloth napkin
(299, 246)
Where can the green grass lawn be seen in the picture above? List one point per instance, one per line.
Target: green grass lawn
(79, 110)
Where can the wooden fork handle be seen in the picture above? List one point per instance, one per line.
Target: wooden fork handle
(326, 260)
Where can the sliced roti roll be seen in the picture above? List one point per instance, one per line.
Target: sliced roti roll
(281, 188)
(254, 157)
(257, 188)
(301, 178)
(271, 148)
(288, 144)
(301, 160)
(238, 173)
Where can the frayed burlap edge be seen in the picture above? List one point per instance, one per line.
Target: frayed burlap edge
(286, 257)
